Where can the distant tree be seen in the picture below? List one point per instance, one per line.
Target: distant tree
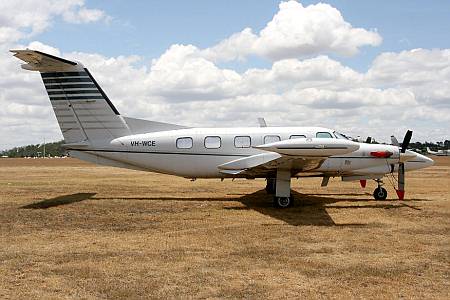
(51, 149)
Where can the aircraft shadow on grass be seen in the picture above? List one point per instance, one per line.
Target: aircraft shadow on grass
(60, 200)
(310, 209)
(307, 209)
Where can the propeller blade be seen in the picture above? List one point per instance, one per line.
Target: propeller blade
(363, 183)
(401, 181)
(394, 141)
(401, 166)
(406, 141)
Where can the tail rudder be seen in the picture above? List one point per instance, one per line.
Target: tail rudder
(83, 110)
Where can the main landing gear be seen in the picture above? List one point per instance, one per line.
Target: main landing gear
(380, 192)
(280, 187)
(271, 186)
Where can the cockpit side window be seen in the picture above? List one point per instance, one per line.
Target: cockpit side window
(324, 135)
(341, 136)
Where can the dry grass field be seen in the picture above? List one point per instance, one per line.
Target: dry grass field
(72, 230)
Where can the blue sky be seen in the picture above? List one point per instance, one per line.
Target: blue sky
(148, 28)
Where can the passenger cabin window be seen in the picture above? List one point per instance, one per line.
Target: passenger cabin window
(297, 136)
(212, 142)
(242, 142)
(324, 135)
(271, 139)
(184, 143)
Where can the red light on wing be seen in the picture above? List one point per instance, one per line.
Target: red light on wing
(381, 154)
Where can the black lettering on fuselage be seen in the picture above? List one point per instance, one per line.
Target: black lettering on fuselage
(143, 143)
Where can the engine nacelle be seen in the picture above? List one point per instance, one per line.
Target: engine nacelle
(311, 147)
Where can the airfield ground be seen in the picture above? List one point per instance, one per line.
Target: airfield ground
(69, 229)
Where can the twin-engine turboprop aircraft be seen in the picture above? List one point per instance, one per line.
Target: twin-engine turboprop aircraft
(94, 131)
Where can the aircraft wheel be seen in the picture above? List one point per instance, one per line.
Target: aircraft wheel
(282, 202)
(380, 193)
(271, 186)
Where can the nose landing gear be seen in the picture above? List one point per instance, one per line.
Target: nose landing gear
(380, 192)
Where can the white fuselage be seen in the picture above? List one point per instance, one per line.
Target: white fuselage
(197, 152)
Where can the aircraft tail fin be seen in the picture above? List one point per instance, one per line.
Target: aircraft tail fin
(83, 110)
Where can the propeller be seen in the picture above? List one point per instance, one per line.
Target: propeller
(401, 166)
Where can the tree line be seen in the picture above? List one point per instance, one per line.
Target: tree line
(51, 150)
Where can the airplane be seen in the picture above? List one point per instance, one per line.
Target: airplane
(439, 152)
(95, 131)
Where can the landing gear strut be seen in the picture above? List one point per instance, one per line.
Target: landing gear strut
(271, 186)
(282, 197)
(380, 193)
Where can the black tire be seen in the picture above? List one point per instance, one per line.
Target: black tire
(271, 186)
(282, 202)
(380, 193)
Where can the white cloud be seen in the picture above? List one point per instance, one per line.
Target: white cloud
(181, 74)
(36, 45)
(297, 31)
(25, 115)
(85, 15)
(183, 87)
(26, 18)
(417, 66)
(425, 72)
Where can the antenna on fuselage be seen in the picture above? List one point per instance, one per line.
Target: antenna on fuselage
(262, 122)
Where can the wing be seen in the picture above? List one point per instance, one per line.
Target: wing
(296, 155)
(262, 165)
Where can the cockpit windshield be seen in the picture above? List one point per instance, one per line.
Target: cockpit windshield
(341, 136)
